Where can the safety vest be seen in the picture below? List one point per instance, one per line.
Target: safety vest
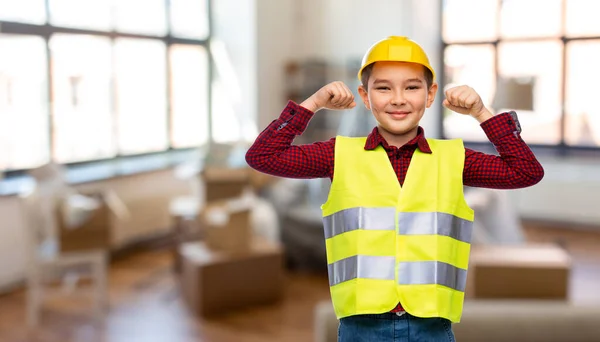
(388, 244)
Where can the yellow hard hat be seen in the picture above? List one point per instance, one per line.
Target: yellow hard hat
(396, 49)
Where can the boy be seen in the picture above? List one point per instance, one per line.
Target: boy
(397, 237)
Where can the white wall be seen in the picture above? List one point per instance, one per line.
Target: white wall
(336, 30)
(342, 29)
(276, 25)
(234, 48)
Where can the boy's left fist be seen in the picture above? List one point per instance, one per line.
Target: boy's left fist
(464, 100)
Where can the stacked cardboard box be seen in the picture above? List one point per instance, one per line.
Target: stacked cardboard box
(225, 219)
(533, 271)
(227, 226)
(229, 269)
(216, 282)
(222, 183)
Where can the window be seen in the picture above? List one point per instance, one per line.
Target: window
(25, 11)
(24, 133)
(539, 63)
(474, 65)
(582, 111)
(141, 95)
(184, 18)
(153, 21)
(91, 14)
(81, 85)
(90, 80)
(189, 95)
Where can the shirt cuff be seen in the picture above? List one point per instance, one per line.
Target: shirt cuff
(296, 115)
(499, 126)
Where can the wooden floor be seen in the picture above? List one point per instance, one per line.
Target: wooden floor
(146, 305)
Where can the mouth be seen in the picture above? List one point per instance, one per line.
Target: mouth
(399, 114)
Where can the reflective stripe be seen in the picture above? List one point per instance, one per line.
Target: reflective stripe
(433, 223)
(432, 272)
(410, 273)
(359, 218)
(362, 266)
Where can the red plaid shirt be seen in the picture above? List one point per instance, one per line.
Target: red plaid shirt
(273, 153)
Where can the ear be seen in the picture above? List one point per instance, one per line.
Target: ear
(431, 94)
(365, 96)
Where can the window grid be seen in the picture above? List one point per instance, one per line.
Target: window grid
(46, 31)
(565, 39)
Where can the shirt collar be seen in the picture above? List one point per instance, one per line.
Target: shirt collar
(375, 139)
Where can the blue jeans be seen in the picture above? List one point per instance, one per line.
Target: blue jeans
(393, 328)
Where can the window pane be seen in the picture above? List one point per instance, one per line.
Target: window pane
(456, 28)
(141, 16)
(582, 17)
(472, 65)
(543, 62)
(141, 95)
(90, 14)
(189, 95)
(24, 132)
(189, 18)
(530, 18)
(583, 113)
(26, 11)
(81, 69)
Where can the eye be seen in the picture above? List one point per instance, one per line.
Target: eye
(383, 88)
(414, 87)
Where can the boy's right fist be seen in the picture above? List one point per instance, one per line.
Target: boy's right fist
(335, 95)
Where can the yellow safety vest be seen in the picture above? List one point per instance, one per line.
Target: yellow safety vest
(388, 244)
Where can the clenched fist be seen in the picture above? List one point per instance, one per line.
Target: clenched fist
(465, 100)
(335, 95)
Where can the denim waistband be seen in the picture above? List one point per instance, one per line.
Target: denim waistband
(386, 315)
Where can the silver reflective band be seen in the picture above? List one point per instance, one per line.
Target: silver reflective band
(432, 272)
(359, 218)
(362, 266)
(433, 223)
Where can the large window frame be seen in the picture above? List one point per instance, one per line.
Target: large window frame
(561, 147)
(48, 30)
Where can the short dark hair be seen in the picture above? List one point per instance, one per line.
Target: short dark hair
(366, 73)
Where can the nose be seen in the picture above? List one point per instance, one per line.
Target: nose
(398, 98)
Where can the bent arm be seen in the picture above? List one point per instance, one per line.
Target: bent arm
(515, 167)
(273, 153)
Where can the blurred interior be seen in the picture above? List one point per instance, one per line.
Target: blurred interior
(128, 211)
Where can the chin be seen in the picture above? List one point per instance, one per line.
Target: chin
(399, 130)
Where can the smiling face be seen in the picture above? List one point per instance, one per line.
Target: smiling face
(397, 95)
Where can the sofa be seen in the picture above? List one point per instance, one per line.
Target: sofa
(501, 321)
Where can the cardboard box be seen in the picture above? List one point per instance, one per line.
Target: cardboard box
(233, 238)
(93, 233)
(227, 226)
(215, 282)
(222, 183)
(524, 271)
